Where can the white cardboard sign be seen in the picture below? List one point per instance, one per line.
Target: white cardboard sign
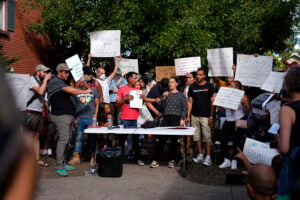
(129, 65)
(220, 61)
(105, 43)
(75, 64)
(259, 152)
(274, 82)
(229, 98)
(145, 115)
(253, 71)
(19, 85)
(136, 102)
(186, 65)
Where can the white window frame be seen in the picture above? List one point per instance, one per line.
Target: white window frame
(2, 13)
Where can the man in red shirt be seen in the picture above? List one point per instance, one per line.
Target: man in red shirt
(129, 115)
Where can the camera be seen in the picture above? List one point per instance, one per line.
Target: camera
(49, 71)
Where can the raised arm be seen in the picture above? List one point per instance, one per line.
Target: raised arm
(88, 62)
(119, 58)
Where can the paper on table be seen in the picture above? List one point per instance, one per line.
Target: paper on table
(136, 102)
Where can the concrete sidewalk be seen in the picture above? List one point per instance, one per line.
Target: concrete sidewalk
(136, 183)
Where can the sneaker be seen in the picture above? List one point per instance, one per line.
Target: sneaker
(171, 164)
(234, 165)
(140, 163)
(68, 167)
(226, 163)
(61, 172)
(198, 159)
(49, 152)
(207, 161)
(154, 164)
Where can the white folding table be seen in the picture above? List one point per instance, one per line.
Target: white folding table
(177, 131)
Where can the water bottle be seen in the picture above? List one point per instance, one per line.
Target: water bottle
(110, 124)
(94, 123)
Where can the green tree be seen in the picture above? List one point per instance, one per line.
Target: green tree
(156, 31)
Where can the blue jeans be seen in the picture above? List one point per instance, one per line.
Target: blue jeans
(135, 138)
(82, 124)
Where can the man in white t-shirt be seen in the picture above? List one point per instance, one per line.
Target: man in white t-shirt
(103, 79)
(35, 106)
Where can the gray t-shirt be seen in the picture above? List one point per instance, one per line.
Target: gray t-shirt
(85, 104)
(38, 103)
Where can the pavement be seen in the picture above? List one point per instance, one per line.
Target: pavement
(137, 182)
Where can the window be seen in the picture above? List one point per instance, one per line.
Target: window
(2, 15)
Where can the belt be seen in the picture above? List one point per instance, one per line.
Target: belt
(33, 112)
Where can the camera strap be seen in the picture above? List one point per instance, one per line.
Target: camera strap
(35, 96)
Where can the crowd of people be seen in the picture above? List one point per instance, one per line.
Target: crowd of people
(98, 99)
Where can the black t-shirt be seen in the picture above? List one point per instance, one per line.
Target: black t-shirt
(61, 102)
(155, 93)
(201, 95)
(295, 137)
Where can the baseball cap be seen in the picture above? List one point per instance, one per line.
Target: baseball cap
(62, 67)
(41, 67)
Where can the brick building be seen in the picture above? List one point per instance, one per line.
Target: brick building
(17, 40)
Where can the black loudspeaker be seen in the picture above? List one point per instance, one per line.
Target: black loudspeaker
(110, 162)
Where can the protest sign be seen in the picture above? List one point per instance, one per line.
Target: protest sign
(274, 82)
(274, 107)
(259, 152)
(105, 43)
(229, 98)
(19, 85)
(220, 61)
(145, 115)
(129, 65)
(75, 64)
(253, 71)
(186, 65)
(136, 102)
(164, 72)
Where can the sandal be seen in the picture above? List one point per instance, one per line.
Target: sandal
(42, 163)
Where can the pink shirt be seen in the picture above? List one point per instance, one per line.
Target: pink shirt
(127, 113)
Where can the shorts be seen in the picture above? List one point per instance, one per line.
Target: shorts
(35, 122)
(203, 131)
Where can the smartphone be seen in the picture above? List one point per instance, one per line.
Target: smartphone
(235, 179)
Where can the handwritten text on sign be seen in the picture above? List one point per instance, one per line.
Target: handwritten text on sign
(274, 82)
(164, 72)
(186, 65)
(220, 62)
(229, 98)
(253, 71)
(75, 64)
(259, 152)
(129, 65)
(105, 43)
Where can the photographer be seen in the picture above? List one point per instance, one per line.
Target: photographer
(35, 105)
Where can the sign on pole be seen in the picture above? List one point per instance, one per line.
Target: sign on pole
(187, 65)
(253, 71)
(259, 152)
(274, 82)
(129, 65)
(75, 64)
(229, 98)
(105, 43)
(220, 62)
(164, 72)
